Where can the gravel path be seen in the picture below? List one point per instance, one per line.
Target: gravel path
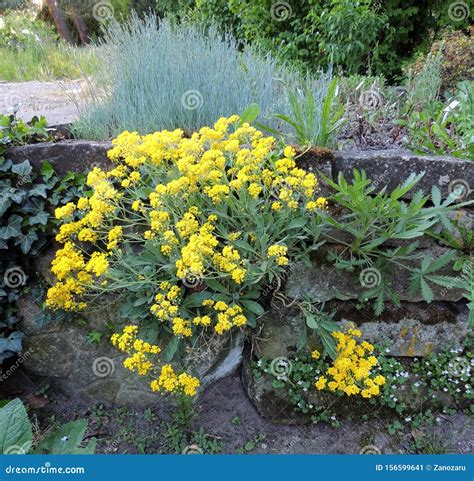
(54, 100)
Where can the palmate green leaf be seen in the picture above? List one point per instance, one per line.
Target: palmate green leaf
(67, 440)
(15, 429)
(441, 261)
(435, 196)
(426, 291)
(446, 281)
(406, 186)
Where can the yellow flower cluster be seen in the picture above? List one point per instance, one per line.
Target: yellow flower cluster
(140, 352)
(227, 316)
(74, 274)
(171, 382)
(187, 208)
(352, 369)
(279, 252)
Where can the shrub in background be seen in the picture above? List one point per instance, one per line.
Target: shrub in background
(457, 58)
(364, 37)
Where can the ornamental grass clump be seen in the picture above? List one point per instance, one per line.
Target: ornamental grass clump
(184, 232)
(156, 74)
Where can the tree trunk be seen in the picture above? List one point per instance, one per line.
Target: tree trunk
(59, 22)
(80, 25)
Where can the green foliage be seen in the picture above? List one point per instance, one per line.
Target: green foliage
(321, 323)
(15, 428)
(423, 88)
(313, 117)
(30, 50)
(361, 37)
(456, 49)
(444, 128)
(67, 440)
(371, 220)
(16, 436)
(26, 200)
(447, 372)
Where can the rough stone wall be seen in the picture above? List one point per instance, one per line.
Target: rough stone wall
(59, 350)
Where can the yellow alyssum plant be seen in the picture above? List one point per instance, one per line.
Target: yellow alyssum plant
(352, 370)
(184, 232)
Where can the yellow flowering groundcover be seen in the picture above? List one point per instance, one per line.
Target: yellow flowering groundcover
(184, 232)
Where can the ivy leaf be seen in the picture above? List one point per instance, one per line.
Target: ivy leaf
(5, 203)
(39, 190)
(26, 241)
(22, 169)
(47, 170)
(13, 229)
(40, 218)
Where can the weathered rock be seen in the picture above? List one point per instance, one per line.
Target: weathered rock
(390, 167)
(94, 372)
(415, 329)
(322, 282)
(65, 156)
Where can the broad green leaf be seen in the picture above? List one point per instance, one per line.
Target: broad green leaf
(67, 440)
(15, 429)
(252, 306)
(171, 348)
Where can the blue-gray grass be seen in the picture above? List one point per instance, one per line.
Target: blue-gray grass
(156, 74)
